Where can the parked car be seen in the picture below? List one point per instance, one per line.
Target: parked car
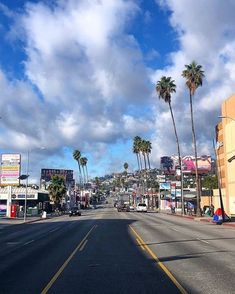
(123, 207)
(132, 207)
(141, 207)
(74, 211)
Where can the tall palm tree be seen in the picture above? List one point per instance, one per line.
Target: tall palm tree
(148, 151)
(137, 150)
(83, 164)
(165, 87)
(85, 161)
(77, 156)
(145, 151)
(194, 76)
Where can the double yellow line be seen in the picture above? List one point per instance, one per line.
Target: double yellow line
(80, 247)
(146, 248)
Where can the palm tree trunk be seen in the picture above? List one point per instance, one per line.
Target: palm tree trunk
(138, 161)
(86, 174)
(148, 160)
(180, 161)
(145, 165)
(141, 167)
(198, 212)
(80, 173)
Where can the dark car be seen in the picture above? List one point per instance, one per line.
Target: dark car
(123, 207)
(74, 211)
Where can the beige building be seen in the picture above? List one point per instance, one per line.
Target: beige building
(225, 137)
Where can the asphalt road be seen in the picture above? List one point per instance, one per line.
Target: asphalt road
(104, 251)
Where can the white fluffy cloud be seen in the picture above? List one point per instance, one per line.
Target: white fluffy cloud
(206, 32)
(87, 85)
(87, 70)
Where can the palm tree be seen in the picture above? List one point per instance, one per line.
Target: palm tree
(125, 165)
(194, 76)
(143, 149)
(148, 151)
(165, 87)
(83, 162)
(57, 189)
(136, 150)
(77, 156)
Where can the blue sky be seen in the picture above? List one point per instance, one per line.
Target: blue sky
(81, 75)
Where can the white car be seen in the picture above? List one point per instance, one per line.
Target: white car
(141, 207)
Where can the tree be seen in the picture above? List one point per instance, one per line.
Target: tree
(143, 149)
(137, 150)
(165, 87)
(57, 189)
(194, 76)
(148, 151)
(83, 163)
(125, 165)
(210, 182)
(77, 156)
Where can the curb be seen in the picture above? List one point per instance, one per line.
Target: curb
(21, 222)
(229, 224)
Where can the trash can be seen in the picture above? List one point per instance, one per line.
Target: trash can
(13, 210)
(44, 214)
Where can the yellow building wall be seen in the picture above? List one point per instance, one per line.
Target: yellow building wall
(216, 199)
(228, 126)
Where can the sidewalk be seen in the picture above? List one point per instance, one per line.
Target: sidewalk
(202, 219)
(20, 220)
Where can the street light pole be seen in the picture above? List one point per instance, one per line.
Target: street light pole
(26, 188)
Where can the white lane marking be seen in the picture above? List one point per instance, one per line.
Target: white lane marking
(83, 245)
(173, 229)
(28, 242)
(56, 229)
(13, 243)
(202, 241)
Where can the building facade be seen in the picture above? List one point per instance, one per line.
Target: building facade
(225, 137)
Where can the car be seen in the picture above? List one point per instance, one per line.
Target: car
(123, 207)
(141, 207)
(74, 211)
(132, 207)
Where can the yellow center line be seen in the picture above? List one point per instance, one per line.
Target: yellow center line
(52, 281)
(162, 266)
(140, 244)
(83, 245)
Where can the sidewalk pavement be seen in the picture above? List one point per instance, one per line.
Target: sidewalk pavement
(20, 220)
(202, 219)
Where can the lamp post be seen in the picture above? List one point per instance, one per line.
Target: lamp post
(26, 177)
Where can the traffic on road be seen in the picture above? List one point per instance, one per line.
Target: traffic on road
(106, 251)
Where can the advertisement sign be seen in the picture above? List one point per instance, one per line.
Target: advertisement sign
(169, 164)
(47, 173)
(165, 186)
(10, 169)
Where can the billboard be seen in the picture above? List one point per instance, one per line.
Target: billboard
(47, 173)
(169, 164)
(165, 186)
(10, 169)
